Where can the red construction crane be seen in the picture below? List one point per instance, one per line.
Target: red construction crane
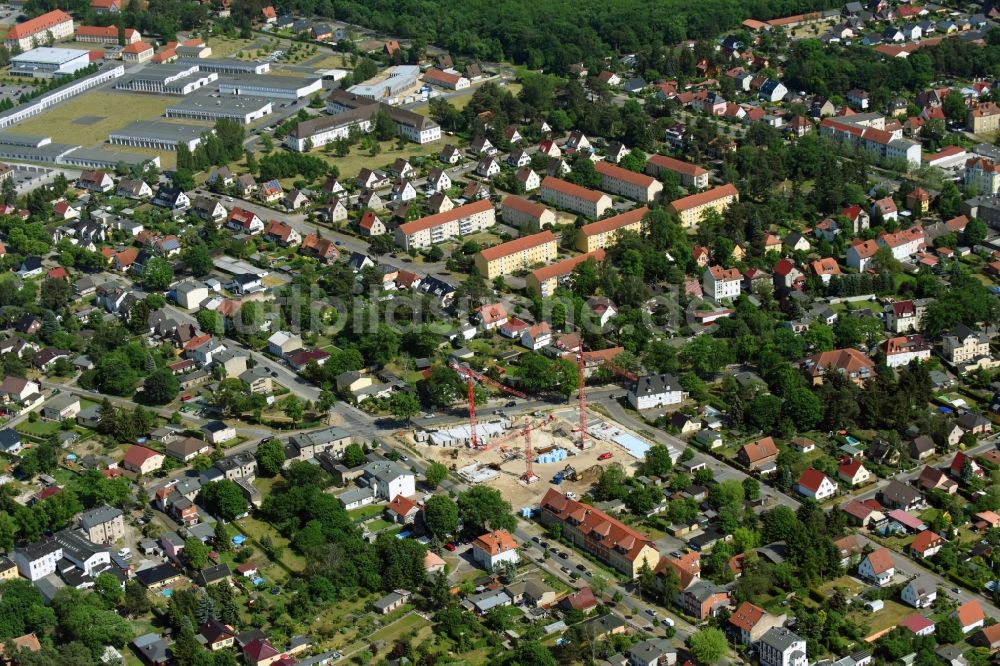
(472, 376)
(581, 364)
(529, 474)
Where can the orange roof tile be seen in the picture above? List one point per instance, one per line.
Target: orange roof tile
(616, 222)
(702, 198)
(571, 189)
(458, 213)
(518, 245)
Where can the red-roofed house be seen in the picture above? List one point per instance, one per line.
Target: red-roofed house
(877, 567)
(917, 624)
(491, 316)
(402, 510)
(970, 616)
(750, 622)
(581, 600)
(687, 567)
(988, 637)
(493, 548)
(825, 268)
(958, 465)
(759, 454)
(852, 472)
(282, 233)
(141, 460)
(260, 652)
(925, 544)
(816, 485)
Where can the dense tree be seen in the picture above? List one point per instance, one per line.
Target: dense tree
(224, 499)
(159, 388)
(270, 457)
(708, 645)
(441, 516)
(482, 509)
(434, 474)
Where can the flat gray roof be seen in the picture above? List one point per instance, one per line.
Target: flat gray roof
(155, 129)
(11, 139)
(48, 55)
(47, 153)
(110, 157)
(269, 80)
(221, 102)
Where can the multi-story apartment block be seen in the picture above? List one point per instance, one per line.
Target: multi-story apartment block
(544, 280)
(983, 117)
(106, 35)
(693, 207)
(461, 221)
(526, 215)
(899, 351)
(781, 647)
(56, 25)
(103, 524)
(877, 142)
(964, 346)
(719, 283)
(903, 244)
(517, 255)
(905, 316)
(38, 560)
(572, 197)
(982, 175)
(627, 183)
(605, 537)
(691, 175)
(602, 234)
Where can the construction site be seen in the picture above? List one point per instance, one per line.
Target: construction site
(522, 457)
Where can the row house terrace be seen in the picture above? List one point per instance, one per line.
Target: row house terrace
(599, 534)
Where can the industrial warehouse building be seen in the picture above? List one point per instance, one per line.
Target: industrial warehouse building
(47, 62)
(168, 80)
(227, 65)
(394, 81)
(242, 108)
(279, 87)
(157, 135)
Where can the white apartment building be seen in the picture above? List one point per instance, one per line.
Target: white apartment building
(781, 647)
(626, 183)
(388, 479)
(720, 283)
(563, 194)
(461, 221)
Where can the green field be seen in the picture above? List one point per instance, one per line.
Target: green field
(39, 428)
(359, 158)
(115, 110)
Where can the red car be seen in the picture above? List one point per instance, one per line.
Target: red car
(605, 456)
(449, 546)
(185, 398)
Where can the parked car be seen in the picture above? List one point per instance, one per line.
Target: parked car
(605, 456)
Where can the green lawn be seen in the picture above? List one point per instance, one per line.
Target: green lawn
(258, 529)
(378, 525)
(361, 513)
(39, 428)
(885, 619)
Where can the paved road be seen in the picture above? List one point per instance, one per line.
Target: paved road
(720, 470)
